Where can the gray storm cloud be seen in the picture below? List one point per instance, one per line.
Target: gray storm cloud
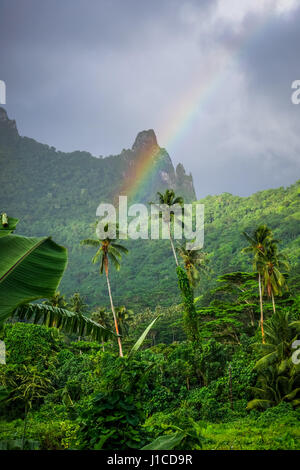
(213, 78)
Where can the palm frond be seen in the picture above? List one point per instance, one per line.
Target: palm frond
(259, 404)
(114, 260)
(90, 242)
(63, 319)
(119, 247)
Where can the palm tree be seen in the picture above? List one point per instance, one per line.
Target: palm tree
(257, 246)
(78, 306)
(170, 199)
(194, 261)
(100, 316)
(124, 315)
(108, 250)
(57, 300)
(278, 377)
(270, 262)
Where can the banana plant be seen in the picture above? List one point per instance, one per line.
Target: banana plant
(142, 338)
(31, 269)
(63, 319)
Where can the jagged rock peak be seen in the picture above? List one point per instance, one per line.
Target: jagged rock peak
(4, 119)
(180, 171)
(145, 140)
(3, 115)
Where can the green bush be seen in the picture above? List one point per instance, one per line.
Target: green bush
(112, 421)
(27, 343)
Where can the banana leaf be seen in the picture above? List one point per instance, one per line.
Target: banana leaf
(166, 442)
(141, 339)
(30, 269)
(259, 404)
(64, 319)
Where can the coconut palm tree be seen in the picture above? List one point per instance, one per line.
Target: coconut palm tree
(108, 251)
(270, 262)
(124, 315)
(194, 262)
(278, 377)
(77, 304)
(57, 300)
(257, 246)
(170, 199)
(101, 316)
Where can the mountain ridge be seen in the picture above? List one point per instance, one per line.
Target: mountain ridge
(164, 177)
(55, 193)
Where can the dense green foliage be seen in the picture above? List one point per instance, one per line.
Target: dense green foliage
(220, 370)
(201, 373)
(57, 194)
(96, 400)
(148, 262)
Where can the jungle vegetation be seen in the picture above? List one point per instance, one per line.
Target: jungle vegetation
(215, 367)
(57, 194)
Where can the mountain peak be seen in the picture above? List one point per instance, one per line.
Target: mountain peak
(4, 119)
(8, 128)
(3, 115)
(145, 140)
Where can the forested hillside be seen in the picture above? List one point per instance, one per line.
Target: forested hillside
(176, 357)
(56, 193)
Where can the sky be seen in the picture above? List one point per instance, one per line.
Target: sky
(211, 77)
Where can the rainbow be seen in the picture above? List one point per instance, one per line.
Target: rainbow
(140, 173)
(183, 116)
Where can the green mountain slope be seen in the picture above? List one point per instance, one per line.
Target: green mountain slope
(57, 194)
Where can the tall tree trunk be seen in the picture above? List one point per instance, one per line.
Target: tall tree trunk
(261, 309)
(113, 311)
(172, 245)
(273, 303)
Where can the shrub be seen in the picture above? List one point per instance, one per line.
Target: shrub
(112, 421)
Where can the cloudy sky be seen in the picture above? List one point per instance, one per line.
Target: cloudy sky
(211, 77)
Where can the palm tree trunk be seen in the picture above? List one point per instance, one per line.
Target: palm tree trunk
(172, 245)
(261, 309)
(273, 303)
(113, 311)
